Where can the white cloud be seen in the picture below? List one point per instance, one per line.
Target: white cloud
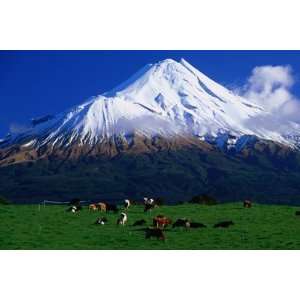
(270, 75)
(270, 87)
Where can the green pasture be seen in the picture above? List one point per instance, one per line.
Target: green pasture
(51, 227)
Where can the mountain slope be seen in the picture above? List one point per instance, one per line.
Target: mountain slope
(168, 99)
(263, 172)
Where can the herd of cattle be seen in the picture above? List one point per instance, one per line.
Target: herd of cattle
(160, 222)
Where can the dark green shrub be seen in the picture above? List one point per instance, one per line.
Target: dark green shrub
(180, 203)
(4, 201)
(204, 199)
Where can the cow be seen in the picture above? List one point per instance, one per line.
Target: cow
(154, 232)
(149, 204)
(180, 223)
(148, 207)
(122, 219)
(74, 209)
(93, 207)
(224, 224)
(101, 206)
(101, 221)
(161, 221)
(126, 203)
(195, 225)
(148, 201)
(247, 204)
(139, 222)
(111, 207)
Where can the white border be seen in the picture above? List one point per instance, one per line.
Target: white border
(149, 275)
(156, 24)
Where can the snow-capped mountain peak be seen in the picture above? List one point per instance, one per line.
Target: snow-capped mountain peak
(168, 98)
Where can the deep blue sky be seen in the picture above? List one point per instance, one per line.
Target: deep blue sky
(35, 83)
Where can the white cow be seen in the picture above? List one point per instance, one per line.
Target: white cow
(127, 203)
(122, 219)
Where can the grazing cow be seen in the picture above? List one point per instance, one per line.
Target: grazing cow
(127, 203)
(101, 221)
(148, 201)
(101, 206)
(181, 223)
(149, 204)
(297, 213)
(93, 207)
(111, 207)
(73, 209)
(154, 232)
(247, 204)
(148, 207)
(196, 225)
(224, 224)
(139, 223)
(122, 219)
(161, 221)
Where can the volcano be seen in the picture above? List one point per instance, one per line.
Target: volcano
(169, 131)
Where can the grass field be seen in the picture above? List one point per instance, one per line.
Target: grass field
(51, 227)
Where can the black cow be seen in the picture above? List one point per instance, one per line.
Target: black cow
(112, 207)
(154, 232)
(196, 225)
(139, 223)
(149, 206)
(224, 224)
(180, 223)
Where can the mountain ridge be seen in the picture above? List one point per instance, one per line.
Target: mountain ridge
(169, 99)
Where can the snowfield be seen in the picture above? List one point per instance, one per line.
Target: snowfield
(168, 99)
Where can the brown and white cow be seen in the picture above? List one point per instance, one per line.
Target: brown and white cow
(93, 207)
(102, 206)
(161, 221)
